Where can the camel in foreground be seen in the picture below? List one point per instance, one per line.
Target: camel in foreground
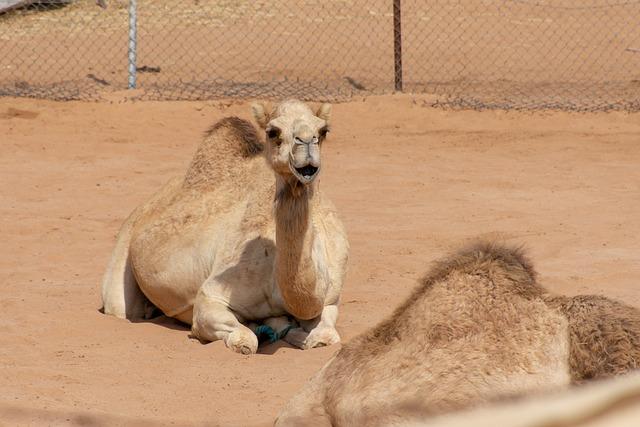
(475, 330)
(479, 328)
(227, 244)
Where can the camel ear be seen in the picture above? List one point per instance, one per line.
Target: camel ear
(261, 112)
(324, 112)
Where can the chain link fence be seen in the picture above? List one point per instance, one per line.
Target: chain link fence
(513, 54)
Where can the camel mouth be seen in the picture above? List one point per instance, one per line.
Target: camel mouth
(306, 173)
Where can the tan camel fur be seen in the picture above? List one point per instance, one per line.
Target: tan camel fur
(610, 403)
(604, 335)
(229, 244)
(475, 330)
(443, 351)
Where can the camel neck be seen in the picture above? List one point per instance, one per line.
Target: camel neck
(295, 269)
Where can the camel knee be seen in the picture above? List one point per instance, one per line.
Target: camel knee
(238, 338)
(242, 340)
(214, 321)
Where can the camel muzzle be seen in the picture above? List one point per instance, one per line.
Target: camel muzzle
(304, 160)
(305, 174)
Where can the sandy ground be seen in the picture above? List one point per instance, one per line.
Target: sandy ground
(410, 182)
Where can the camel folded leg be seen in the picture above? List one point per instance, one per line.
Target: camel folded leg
(317, 332)
(212, 321)
(121, 296)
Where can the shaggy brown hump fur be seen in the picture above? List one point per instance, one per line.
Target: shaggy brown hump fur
(604, 335)
(475, 257)
(479, 258)
(240, 130)
(219, 157)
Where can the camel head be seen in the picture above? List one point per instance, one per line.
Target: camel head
(294, 136)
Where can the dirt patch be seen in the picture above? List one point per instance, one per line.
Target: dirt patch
(410, 183)
(11, 113)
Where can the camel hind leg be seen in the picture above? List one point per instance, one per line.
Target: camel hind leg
(121, 296)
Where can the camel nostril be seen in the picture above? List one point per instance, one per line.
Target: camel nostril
(305, 140)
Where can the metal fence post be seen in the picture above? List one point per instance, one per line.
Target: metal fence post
(397, 44)
(133, 42)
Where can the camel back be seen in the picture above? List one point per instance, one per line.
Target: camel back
(223, 152)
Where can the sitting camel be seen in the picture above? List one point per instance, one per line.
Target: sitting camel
(477, 329)
(227, 244)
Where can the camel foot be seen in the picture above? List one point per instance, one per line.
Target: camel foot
(321, 337)
(318, 337)
(242, 341)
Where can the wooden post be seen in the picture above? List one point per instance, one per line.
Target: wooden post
(397, 44)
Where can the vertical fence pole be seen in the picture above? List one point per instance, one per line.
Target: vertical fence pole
(397, 44)
(133, 42)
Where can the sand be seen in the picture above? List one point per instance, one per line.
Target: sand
(410, 182)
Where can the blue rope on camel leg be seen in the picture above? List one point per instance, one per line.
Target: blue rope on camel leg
(266, 333)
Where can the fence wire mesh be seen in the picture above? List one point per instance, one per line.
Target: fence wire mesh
(522, 54)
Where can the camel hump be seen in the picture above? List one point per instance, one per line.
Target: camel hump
(235, 136)
(487, 258)
(226, 147)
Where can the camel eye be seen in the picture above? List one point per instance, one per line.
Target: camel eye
(273, 133)
(323, 132)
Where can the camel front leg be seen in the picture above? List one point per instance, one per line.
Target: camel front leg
(213, 320)
(317, 332)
